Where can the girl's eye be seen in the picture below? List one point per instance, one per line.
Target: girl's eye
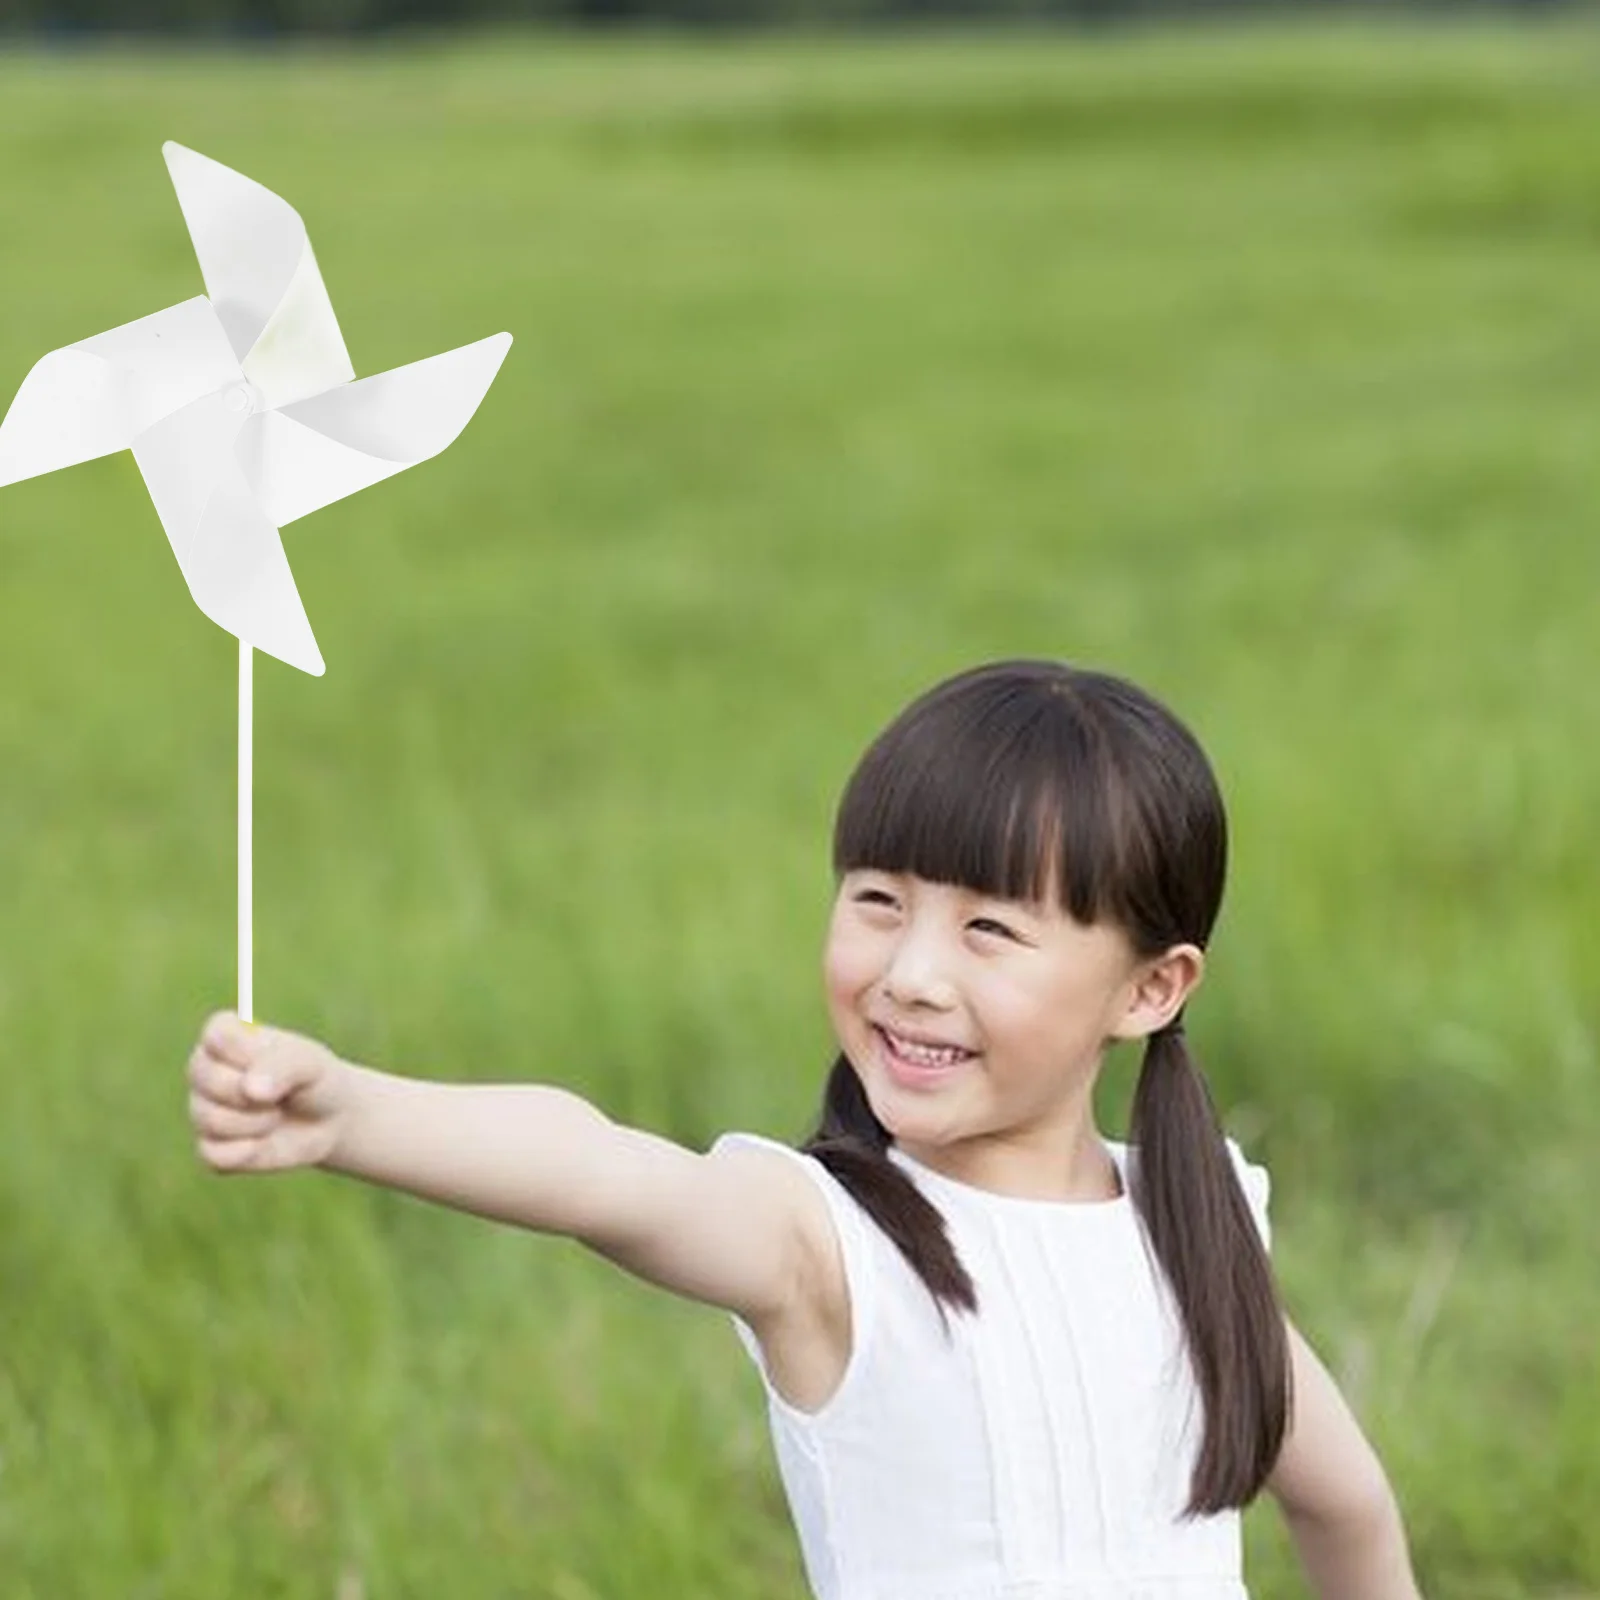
(988, 923)
(877, 897)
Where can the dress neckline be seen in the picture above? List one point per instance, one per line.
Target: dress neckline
(1115, 1206)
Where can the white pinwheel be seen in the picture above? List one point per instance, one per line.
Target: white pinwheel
(240, 408)
(243, 413)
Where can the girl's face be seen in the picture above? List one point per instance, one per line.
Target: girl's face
(977, 1025)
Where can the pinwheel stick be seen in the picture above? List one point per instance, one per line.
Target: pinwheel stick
(246, 998)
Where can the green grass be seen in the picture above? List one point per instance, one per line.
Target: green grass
(1263, 368)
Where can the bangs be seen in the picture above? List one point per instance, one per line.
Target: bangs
(1003, 790)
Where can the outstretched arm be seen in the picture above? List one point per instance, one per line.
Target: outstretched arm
(1335, 1499)
(728, 1229)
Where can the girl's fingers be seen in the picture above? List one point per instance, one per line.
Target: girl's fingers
(244, 1081)
(228, 1155)
(226, 1037)
(216, 1081)
(271, 1152)
(220, 1121)
(285, 1064)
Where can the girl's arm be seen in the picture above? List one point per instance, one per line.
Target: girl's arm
(735, 1230)
(1335, 1499)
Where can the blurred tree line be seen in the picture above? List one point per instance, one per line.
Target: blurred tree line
(256, 18)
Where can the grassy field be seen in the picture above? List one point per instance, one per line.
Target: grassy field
(1263, 368)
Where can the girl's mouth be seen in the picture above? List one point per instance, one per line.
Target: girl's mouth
(918, 1066)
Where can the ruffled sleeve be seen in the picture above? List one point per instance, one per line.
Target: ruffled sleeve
(1257, 1186)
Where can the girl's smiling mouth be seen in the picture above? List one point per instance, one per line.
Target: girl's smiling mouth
(917, 1065)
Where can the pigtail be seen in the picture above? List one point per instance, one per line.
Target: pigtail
(1206, 1241)
(852, 1144)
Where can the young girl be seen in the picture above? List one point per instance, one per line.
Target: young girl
(1005, 1358)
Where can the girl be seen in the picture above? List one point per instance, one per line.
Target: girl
(1004, 1358)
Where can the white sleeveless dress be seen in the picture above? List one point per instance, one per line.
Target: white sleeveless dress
(1044, 1450)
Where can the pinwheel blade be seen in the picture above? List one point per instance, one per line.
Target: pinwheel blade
(227, 548)
(96, 396)
(239, 576)
(314, 452)
(262, 278)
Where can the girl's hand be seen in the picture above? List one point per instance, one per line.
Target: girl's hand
(262, 1099)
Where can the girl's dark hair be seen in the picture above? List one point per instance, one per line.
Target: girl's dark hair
(1034, 780)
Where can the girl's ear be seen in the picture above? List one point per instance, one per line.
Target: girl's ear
(1158, 990)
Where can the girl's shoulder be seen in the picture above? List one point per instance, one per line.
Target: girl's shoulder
(787, 1167)
(806, 1354)
(827, 1217)
(788, 1170)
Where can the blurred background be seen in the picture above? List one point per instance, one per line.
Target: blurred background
(1257, 361)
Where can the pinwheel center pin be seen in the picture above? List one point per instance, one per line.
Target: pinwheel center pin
(243, 397)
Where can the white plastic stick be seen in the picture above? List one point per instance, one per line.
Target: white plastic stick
(246, 998)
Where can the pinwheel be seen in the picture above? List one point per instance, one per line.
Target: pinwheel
(243, 413)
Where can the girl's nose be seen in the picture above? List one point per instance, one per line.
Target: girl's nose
(915, 974)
